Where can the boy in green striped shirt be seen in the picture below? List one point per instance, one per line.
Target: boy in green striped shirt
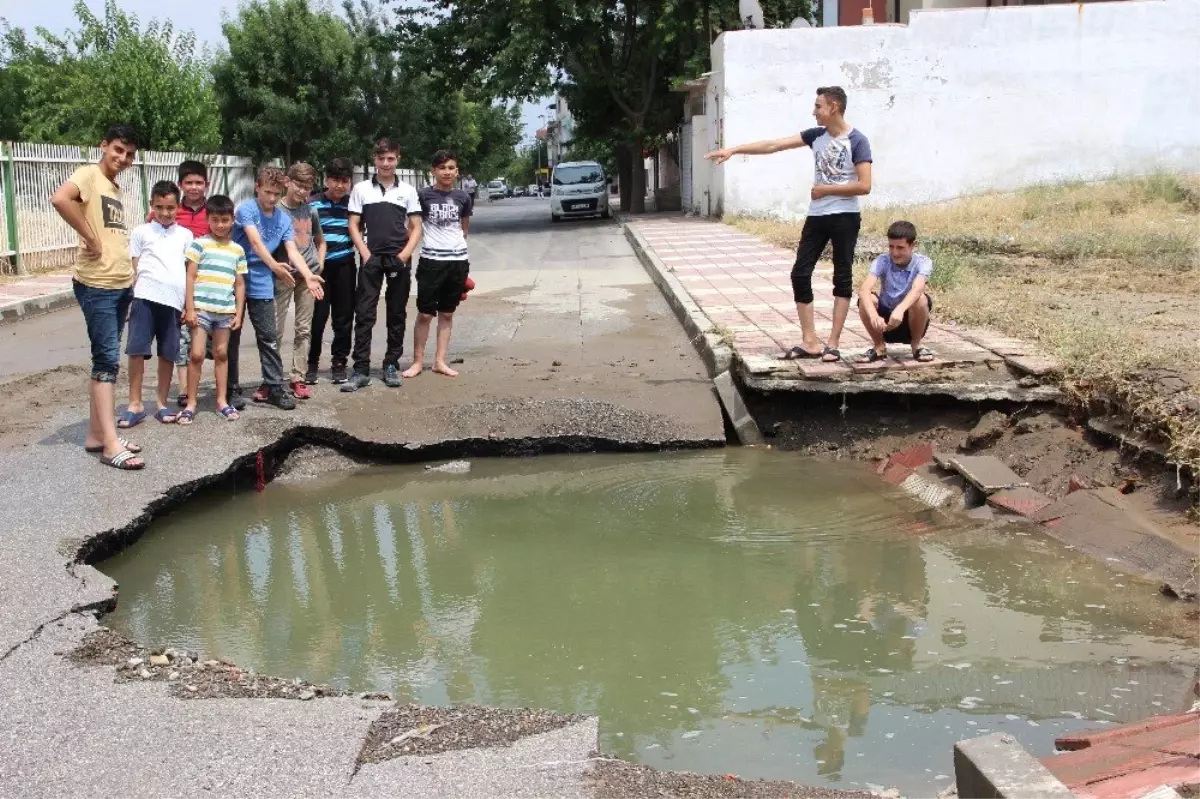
(214, 302)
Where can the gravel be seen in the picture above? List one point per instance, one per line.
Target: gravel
(616, 779)
(556, 417)
(190, 677)
(418, 730)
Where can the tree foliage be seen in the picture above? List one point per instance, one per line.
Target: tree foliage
(68, 89)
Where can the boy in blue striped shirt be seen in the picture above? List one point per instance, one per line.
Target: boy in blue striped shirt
(341, 272)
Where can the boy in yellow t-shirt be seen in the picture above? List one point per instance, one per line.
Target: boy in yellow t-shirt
(90, 202)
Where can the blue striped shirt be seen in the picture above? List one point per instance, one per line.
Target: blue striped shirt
(335, 226)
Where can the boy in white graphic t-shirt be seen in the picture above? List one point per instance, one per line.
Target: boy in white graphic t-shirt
(442, 281)
(842, 166)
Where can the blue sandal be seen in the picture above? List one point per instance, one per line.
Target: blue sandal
(129, 419)
(166, 416)
(230, 413)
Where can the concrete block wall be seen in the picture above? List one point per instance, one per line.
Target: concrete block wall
(966, 101)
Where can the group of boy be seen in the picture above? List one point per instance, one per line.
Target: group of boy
(199, 265)
(894, 303)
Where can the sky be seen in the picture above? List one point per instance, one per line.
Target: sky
(201, 16)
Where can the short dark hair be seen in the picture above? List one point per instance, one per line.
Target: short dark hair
(902, 230)
(189, 168)
(339, 168)
(164, 188)
(386, 145)
(219, 205)
(125, 132)
(835, 95)
(442, 156)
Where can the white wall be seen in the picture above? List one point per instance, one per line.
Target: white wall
(967, 101)
(701, 170)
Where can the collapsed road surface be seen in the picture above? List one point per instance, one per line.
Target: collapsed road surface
(565, 344)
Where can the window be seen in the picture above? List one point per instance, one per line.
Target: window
(578, 175)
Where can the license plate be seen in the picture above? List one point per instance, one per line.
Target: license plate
(577, 206)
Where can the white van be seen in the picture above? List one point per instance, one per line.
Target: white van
(578, 188)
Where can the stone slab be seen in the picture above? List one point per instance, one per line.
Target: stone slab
(986, 472)
(1036, 365)
(735, 407)
(1021, 501)
(996, 766)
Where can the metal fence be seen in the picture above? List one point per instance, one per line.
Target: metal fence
(34, 238)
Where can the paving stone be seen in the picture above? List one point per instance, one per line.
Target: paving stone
(1036, 365)
(1021, 501)
(816, 369)
(913, 457)
(986, 472)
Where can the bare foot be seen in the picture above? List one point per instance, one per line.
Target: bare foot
(414, 370)
(443, 369)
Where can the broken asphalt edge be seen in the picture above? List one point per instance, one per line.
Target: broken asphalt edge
(718, 356)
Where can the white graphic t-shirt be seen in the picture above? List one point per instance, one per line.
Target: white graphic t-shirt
(834, 160)
(442, 236)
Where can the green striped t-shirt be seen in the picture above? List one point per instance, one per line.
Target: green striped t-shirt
(217, 268)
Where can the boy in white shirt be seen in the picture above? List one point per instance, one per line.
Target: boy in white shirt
(157, 249)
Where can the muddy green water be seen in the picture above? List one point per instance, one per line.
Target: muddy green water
(735, 611)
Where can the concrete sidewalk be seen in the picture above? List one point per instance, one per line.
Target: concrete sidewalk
(34, 294)
(737, 289)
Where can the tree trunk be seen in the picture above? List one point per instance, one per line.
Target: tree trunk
(624, 176)
(637, 200)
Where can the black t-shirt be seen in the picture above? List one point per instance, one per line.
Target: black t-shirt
(442, 234)
(385, 214)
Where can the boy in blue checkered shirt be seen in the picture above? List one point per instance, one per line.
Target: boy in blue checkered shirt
(341, 272)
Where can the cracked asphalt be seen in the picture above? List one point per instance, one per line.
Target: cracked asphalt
(564, 336)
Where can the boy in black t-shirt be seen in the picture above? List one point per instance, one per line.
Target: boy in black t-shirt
(443, 267)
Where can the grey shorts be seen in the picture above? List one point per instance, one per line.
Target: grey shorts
(214, 321)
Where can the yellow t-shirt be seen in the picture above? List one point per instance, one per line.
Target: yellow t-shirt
(105, 214)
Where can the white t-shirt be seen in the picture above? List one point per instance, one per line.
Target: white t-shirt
(161, 269)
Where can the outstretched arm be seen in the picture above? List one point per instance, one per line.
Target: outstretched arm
(764, 147)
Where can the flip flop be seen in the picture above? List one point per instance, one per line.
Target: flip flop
(870, 356)
(229, 412)
(129, 419)
(923, 355)
(124, 442)
(187, 417)
(166, 416)
(122, 461)
(834, 351)
(796, 353)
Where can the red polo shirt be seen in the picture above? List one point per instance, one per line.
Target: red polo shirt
(194, 220)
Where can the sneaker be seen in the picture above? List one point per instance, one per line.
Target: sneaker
(310, 377)
(338, 374)
(391, 376)
(301, 390)
(280, 398)
(356, 382)
(237, 400)
(263, 392)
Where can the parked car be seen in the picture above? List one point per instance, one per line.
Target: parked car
(578, 188)
(533, 190)
(519, 191)
(495, 190)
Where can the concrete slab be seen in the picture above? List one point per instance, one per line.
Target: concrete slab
(735, 408)
(996, 766)
(986, 472)
(1021, 501)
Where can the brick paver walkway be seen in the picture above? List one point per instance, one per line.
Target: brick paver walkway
(744, 287)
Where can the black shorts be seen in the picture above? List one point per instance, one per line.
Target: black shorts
(901, 335)
(440, 285)
(153, 322)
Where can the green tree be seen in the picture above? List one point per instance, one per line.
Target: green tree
(70, 88)
(286, 87)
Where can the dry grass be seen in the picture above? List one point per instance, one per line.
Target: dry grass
(1103, 275)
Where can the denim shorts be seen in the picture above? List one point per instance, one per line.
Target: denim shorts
(104, 312)
(214, 321)
(151, 322)
(185, 346)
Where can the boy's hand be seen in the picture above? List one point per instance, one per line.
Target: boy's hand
(91, 247)
(878, 323)
(818, 191)
(720, 156)
(314, 286)
(282, 273)
(189, 318)
(237, 322)
(364, 253)
(895, 320)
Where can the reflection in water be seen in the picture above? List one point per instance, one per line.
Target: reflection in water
(741, 611)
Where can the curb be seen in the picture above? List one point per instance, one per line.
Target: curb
(35, 306)
(717, 355)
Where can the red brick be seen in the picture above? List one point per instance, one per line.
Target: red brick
(895, 473)
(914, 457)
(1021, 501)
